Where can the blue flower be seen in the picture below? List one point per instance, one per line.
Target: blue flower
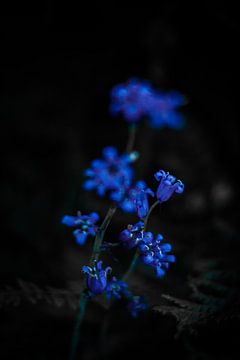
(137, 305)
(155, 254)
(162, 110)
(96, 277)
(131, 99)
(136, 199)
(112, 173)
(85, 224)
(116, 289)
(131, 236)
(167, 185)
(136, 99)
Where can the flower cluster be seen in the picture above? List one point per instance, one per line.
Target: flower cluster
(85, 225)
(136, 99)
(151, 251)
(155, 254)
(131, 236)
(97, 283)
(131, 99)
(112, 173)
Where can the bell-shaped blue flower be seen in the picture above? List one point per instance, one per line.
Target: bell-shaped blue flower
(111, 173)
(116, 289)
(167, 185)
(131, 236)
(136, 199)
(96, 277)
(85, 225)
(154, 253)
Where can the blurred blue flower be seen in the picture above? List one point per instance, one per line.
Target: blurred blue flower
(85, 224)
(96, 277)
(131, 99)
(136, 305)
(162, 110)
(116, 289)
(135, 99)
(112, 173)
(131, 236)
(167, 185)
(155, 254)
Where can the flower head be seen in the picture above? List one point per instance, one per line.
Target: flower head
(167, 185)
(131, 236)
(137, 305)
(131, 99)
(136, 199)
(136, 99)
(155, 254)
(113, 172)
(162, 111)
(85, 224)
(116, 289)
(96, 277)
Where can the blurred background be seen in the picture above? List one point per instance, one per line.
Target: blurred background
(58, 64)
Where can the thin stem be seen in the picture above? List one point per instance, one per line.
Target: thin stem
(83, 299)
(131, 138)
(100, 233)
(80, 317)
(132, 266)
(149, 213)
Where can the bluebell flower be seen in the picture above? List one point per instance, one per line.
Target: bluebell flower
(155, 254)
(136, 199)
(167, 185)
(116, 289)
(131, 99)
(96, 277)
(112, 173)
(162, 110)
(85, 224)
(131, 236)
(136, 305)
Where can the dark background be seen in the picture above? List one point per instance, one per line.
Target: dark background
(58, 64)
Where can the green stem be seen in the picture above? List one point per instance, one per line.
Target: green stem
(83, 298)
(96, 252)
(131, 138)
(100, 233)
(149, 213)
(132, 266)
(80, 317)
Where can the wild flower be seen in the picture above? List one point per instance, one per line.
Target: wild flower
(85, 224)
(167, 185)
(116, 289)
(136, 305)
(111, 173)
(155, 254)
(96, 277)
(132, 235)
